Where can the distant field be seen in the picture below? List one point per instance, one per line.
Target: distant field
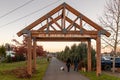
(41, 68)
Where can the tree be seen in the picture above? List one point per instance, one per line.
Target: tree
(2, 51)
(78, 51)
(21, 49)
(73, 52)
(8, 47)
(67, 49)
(40, 51)
(111, 21)
(82, 54)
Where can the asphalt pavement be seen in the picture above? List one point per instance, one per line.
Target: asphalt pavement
(55, 73)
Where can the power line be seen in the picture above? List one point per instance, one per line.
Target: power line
(16, 9)
(28, 14)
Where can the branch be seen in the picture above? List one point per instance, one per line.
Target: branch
(105, 47)
(107, 42)
(103, 22)
(118, 41)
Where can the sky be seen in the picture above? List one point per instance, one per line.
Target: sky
(13, 22)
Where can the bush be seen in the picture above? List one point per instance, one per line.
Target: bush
(19, 57)
(9, 59)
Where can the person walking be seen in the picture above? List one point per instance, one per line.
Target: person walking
(68, 63)
(76, 62)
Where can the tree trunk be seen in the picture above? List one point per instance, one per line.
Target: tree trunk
(113, 70)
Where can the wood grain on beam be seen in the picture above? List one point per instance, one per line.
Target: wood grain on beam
(98, 55)
(55, 22)
(87, 20)
(71, 25)
(50, 23)
(77, 26)
(35, 23)
(89, 58)
(69, 32)
(63, 18)
(62, 39)
(53, 28)
(34, 54)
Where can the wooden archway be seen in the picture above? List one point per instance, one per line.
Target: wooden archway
(58, 26)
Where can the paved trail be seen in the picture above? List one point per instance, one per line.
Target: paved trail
(54, 73)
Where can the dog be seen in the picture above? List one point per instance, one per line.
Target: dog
(62, 68)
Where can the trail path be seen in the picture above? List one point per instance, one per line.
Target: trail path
(54, 73)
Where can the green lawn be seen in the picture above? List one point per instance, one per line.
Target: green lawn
(41, 68)
(92, 76)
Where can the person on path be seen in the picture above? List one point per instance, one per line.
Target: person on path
(76, 62)
(68, 63)
(48, 59)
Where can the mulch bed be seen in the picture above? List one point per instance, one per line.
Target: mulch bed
(20, 72)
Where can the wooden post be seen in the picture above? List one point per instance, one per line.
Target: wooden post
(89, 55)
(80, 22)
(34, 53)
(63, 18)
(29, 55)
(98, 56)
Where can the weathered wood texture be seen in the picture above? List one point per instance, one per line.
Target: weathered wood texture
(89, 56)
(61, 32)
(29, 56)
(98, 56)
(34, 54)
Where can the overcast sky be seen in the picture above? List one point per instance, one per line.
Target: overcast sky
(93, 9)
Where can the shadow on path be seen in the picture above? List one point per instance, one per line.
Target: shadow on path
(54, 73)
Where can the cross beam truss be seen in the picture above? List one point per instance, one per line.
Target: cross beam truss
(62, 27)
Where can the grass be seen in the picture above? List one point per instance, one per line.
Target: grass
(41, 68)
(92, 76)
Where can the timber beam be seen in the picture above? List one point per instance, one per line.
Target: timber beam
(93, 24)
(77, 26)
(50, 23)
(34, 32)
(34, 53)
(63, 18)
(35, 23)
(98, 55)
(89, 61)
(56, 23)
(71, 25)
(61, 39)
(29, 54)
(54, 30)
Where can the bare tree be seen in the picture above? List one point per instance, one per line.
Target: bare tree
(111, 21)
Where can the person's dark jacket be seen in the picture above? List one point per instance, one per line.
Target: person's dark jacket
(68, 62)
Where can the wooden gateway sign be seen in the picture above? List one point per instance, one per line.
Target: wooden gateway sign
(63, 23)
